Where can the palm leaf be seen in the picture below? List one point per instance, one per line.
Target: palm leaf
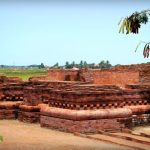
(137, 46)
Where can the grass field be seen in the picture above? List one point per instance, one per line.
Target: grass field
(22, 73)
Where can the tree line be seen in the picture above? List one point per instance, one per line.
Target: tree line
(40, 66)
(83, 64)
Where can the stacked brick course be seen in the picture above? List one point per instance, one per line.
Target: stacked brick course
(143, 69)
(11, 96)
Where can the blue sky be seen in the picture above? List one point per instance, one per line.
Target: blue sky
(32, 32)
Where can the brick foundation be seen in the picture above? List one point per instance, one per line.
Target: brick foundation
(8, 114)
(83, 126)
(30, 117)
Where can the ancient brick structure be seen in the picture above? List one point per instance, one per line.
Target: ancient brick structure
(143, 69)
(59, 75)
(94, 76)
(120, 78)
(11, 96)
(80, 100)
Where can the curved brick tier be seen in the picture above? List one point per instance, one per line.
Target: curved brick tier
(86, 114)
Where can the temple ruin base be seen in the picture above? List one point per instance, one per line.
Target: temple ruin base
(30, 117)
(8, 114)
(85, 126)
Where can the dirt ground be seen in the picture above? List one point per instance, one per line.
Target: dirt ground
(23, 136)
(143, 129)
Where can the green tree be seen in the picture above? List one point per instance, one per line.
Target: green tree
(81, 64)
(72, 64)
(85, 65)
(56, 65)
(108, 65)
(67, 65)
(105, 65)
(102, 64)
(132, 24)
(41, 65)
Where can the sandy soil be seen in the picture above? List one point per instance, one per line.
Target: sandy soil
(143, 129)
(23, 136)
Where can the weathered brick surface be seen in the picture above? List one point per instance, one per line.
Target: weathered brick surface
(62, 75)
(120, 78)
(81, 126)
(144, 71)
(96, 76)
(30, 117)
(10, 104)
(29, 108)
(8, 114)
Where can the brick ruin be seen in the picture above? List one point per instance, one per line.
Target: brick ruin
(86, 100)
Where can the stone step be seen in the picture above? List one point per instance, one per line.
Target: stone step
(117, 140)
(131, 137)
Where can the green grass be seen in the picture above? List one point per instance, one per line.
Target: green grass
(1, 138)
(25, 74)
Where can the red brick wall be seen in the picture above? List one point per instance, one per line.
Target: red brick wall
(120, 78)
(144, 71)
(39, 78)
(62, 75)
(96, 76)
(9, 79)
